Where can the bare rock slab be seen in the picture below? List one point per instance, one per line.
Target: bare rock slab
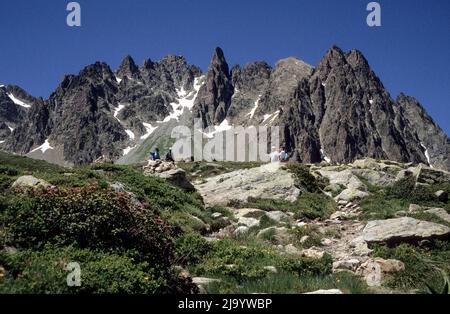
(268, 181)
(405, 229)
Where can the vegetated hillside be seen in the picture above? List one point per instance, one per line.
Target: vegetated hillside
(133, 233)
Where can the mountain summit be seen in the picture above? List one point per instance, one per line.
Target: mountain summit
(338, 111)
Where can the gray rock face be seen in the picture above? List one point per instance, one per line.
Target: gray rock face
(263, 182)
(214, 98)
(169, 172)
(405, 229)
(98, 113)
(434, 143)
(11, 114)
(338, 111)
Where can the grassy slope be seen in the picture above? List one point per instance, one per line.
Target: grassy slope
(247, 256)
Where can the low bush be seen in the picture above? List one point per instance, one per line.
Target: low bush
(311, 231)
(190, 249)
(305, 266)
(423, 266)
(238, 263)
(89, 218)
(45, 271)
(290, 283)
(304, 180)
(307, 206)
(314, 205)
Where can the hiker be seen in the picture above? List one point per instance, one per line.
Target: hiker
(284, 156)
(275, 155)
(155, 155)
(169, 156)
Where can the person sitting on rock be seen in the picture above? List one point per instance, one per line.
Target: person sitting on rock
(155, 155)
(284, 156)
(169, 156)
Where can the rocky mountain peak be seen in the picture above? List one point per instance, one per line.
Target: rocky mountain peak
(98, 72)
(127, 68)
(357, 60)
(214, 97)
(218, 62)
(148, 64)
(338, 111)
(291, 70)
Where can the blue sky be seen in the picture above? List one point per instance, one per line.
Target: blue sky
(410, 52)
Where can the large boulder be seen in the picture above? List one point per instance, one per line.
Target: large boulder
(30, 181)
(355, 189)
(178, 178)
(405, 229)
(169, 172)
(351, 194)
(430, 175)
(376, 271)
(268, 181)
(425, 175)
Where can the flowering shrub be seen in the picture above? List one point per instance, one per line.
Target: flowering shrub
(88, 218)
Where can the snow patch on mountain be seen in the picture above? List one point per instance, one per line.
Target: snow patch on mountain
(427, 155)
(18, 101)
(117, 111)
(185, 100)
(149, 130)
(44, 147)
(127, 150)
(271, 116)
(10, 128)
(324, 156)
(224, 126)
(130, 134)
(252, 112)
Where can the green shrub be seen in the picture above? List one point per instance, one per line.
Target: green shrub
(423, 266)
(228, 259)
(5, 182)
(44, 272)
(402, 188)
(378, 206)
(290, 283)
(190, 249)
(305, 266)
(304, 180)
(314, 205)
(88, 217)
(9, 171)
(314, 236)
(158, 192)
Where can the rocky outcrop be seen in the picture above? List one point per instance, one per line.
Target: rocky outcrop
(376, 271)
(405, 229)
(30, 182)
(169, 172)
(434, 143)
(269, 181)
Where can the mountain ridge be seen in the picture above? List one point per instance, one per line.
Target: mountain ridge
(338, 111)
